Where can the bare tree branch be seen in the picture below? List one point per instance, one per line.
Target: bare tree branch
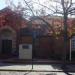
(44, 6)
(47, 25)
(72, 9)
(69, 5)
(29, 7)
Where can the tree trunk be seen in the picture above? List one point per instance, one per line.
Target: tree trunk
(65, 36)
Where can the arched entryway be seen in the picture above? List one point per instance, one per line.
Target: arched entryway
(7, 42)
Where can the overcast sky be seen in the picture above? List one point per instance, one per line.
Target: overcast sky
(4, 3)
(44, 2)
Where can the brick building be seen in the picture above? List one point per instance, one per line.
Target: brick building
(51, 43)
(16, 31)
(10, 25)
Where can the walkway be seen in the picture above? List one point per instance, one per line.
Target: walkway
(36, 67)
(26, 69)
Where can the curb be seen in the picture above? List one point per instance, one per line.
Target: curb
(35, 70)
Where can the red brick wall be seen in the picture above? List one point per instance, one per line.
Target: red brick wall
(49, 46)
(26, 40)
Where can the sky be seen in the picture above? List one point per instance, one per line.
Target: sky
(4, 3)
(44, 2)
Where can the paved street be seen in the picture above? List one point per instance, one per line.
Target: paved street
(37, 69)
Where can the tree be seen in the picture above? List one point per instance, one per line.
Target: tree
(60, 7)
(24, 7)
(28, 10)
(66, 8)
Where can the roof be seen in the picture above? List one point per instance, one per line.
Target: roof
(13, 16)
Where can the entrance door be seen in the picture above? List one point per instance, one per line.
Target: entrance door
(6, 46)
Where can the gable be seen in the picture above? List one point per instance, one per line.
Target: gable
(10, 18)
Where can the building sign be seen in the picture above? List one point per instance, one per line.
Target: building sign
(25, 46)
(25, 51)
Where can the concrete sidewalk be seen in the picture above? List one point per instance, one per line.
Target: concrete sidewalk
(8, 66)
(36, 67)
(26, 69)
